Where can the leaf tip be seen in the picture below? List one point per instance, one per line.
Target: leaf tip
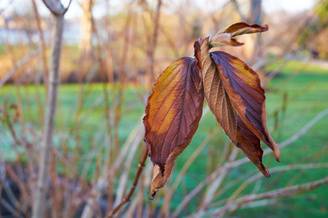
(263, 169)
(157, 181)
(266, 173)
(264, 28)
(277, 153)
(275, 149)
(151, 196)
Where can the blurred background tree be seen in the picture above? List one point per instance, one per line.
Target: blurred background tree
(312, 38)
(85, 44)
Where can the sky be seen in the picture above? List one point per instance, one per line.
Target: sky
(269, 6)
(291, 6)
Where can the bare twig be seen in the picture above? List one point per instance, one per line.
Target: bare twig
(43, 45)
(216, 184)
(278, 193)
(122, 76)
(242, 16)
(134, 185)
(10, 208)
(244, 160)
(127, 165)
(304, 129)
(69, 4)
(13, 175)
(177, 181)
(3, 173)
(127, 145)
(6, 120)
(19, 64)
(273, 170)
(103, 181)
(154, 40)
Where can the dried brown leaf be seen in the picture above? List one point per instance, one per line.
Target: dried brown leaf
(233, 93)
(237, 100)
(243, 28)
(243, 86)
(172, 116)
(226, 35)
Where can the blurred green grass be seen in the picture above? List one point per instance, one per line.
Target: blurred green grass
(305, 87)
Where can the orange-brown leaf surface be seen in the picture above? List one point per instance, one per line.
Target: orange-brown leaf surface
(172, 116)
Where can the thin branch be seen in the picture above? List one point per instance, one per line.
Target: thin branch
(69, 4)
(154, 40)
(134, 185)
(126, 146)
(211, 190)
(236, 4)
(244, 160)
(275, 170)
(10, 208)
(177, 181)
(43, 45)
(56, 7)
(278, 193)
(46, 3)
(304, 129)
(20, 184)
(20, 63)
(127, 166)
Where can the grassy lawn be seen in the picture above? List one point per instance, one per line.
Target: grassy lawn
(304, 88)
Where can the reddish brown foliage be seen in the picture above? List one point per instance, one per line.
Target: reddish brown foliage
(172, 116)
(233, 93)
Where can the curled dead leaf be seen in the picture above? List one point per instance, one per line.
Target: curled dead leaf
(157, 180)
(241, 28)
(226, 35)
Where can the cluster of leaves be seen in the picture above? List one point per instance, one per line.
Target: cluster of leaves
(232, 91)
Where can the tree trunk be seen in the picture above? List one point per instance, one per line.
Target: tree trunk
(85, 45)
(154, 42)
(256, 11)
(51, 105)
(256, 17)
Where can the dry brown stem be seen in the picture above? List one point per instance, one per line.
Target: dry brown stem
(154, 40)
(134, 186)
(19, 64)
(278, 193)
(43, 45)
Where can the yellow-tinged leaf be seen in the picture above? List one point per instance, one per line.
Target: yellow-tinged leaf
(172, 116)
